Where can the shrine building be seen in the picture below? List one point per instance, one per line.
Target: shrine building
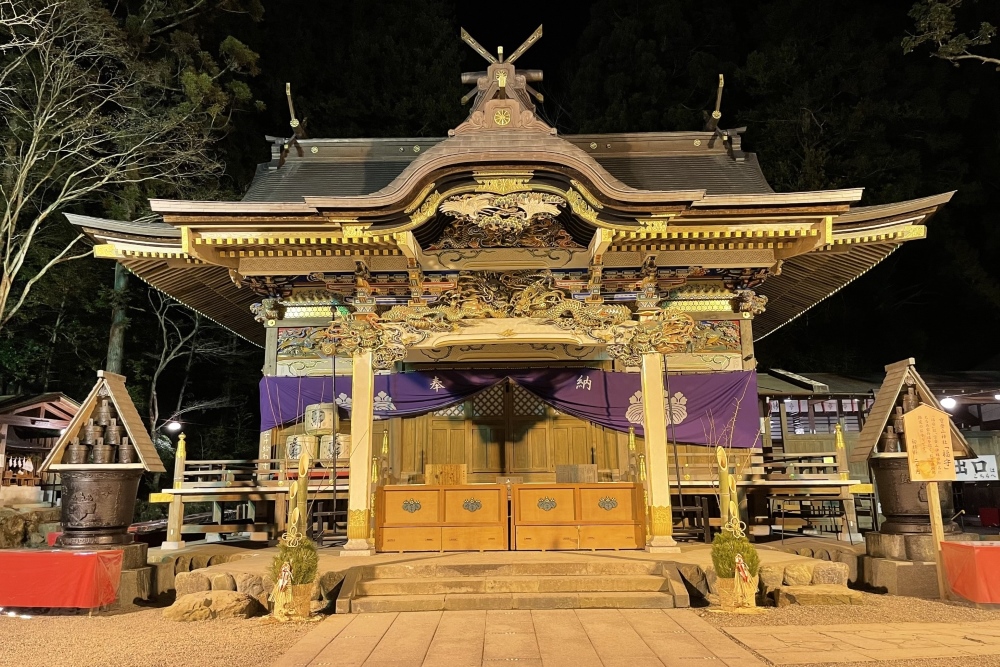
(533, 340)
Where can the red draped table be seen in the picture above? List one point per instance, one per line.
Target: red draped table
(42, 578)
(973, 570)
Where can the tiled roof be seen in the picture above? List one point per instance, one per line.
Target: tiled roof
(345, 168)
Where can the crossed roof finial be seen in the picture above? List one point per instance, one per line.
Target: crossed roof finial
(502, 88)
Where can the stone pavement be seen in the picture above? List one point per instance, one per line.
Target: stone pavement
(808, 644)
(535, 638)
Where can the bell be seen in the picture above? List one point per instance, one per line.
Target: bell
(103, 453)
(126, 452)
(891, 441)
(113, 432)
(102, 415)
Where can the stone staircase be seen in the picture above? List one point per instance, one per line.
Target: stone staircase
(593, 584)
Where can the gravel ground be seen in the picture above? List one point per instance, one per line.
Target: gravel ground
(877, 609)
(143, 639)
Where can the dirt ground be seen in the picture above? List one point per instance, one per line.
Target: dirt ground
(143, 639)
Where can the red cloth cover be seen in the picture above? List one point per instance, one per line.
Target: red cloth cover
(80, 579)
(973, 570)
(989, 516)
(51, 538)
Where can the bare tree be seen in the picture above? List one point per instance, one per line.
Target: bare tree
(81, 116)
(184, 335)
(937, 26)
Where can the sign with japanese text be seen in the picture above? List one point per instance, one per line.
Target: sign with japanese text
(927, 432)
(980, 469)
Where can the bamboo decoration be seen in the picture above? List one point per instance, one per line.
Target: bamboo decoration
(298, 496)
(724, 483)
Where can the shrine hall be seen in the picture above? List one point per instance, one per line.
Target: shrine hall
(507, 338)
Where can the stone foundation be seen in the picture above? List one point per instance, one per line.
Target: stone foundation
(912, 547)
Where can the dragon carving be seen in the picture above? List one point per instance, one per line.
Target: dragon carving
(527, 294)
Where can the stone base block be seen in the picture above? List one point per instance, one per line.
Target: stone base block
(909, 547)
(163, 577)
(817, 594)
(134, 555)
(896, 577)
(662, 550)
(135, 584)
(358, 552)
(172, 546)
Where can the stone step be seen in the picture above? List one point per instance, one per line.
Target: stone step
(608, 567)
(466, 601)
(515, 584)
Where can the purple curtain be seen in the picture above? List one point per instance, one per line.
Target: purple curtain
(706, 409)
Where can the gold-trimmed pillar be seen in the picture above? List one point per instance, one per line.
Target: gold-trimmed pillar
(359, 484)
(654, 423)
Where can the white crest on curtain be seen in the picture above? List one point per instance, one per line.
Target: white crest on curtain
(344, 401)
(382, 402)
(676, 408)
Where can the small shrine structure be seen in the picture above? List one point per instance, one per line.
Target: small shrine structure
(510, 301)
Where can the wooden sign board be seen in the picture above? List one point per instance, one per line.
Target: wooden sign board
(928, 444)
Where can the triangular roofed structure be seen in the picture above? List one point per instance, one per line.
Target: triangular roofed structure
(112, 386)
(898, 376)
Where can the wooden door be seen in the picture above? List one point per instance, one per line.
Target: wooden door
(502, 430)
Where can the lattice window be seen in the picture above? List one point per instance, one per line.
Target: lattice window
(489, 402)
(527, 404)
(456, 410)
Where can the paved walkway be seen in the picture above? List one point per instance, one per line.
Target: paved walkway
(549, 638)
(803, 644)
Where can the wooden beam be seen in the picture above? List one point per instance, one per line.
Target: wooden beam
(34, 422)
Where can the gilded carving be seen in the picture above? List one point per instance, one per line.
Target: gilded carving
(355, 231)
(748, 301)
(529, 294)
(661, 521)
(357, 524)
(502, 184)
(663, 334)
(580, 206)
(715, 336)
(427, 209)
(268, 310)
(591, 199)
(415, 204)
(517, 219)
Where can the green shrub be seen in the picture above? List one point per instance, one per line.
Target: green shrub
(725, 546)
(303, 559)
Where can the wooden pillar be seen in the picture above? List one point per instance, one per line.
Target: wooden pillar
(175, 520)
(849, 531)
(654, 423)
(359, 482)
(175, 514)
